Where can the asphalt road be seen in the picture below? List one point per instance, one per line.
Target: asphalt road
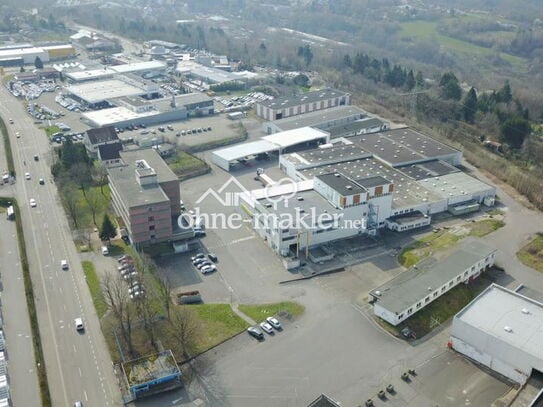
(23, 379)
(78, 365)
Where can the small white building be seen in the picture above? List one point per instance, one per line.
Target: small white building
(502, 330)
(412, 290)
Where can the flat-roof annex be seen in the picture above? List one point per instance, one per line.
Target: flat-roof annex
(422, 280)
(341, 183)
(96, 92)
(497, 308)
(455, 184)
(243, 150)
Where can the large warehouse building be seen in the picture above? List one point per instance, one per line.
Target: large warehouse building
(281, 108)
(133, 110)
(502, 330)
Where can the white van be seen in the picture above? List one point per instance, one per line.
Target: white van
(105, 250)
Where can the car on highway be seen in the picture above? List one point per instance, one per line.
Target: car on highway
(17, 134)
(78, 404)
(33, 203)
(64, 265)
(11, 121)
(79, 324)
(27, 175)
(36, 158)
(266, 327)
(208, 268)
(42, 181)
(274, 322)
(255, 332)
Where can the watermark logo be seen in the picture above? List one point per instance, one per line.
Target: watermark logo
(225, 198)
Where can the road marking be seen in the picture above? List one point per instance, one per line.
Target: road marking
(85, 393)
(80, 373)
(75, 350)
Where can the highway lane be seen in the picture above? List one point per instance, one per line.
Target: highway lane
(78, 365)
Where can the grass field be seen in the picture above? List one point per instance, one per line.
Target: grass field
(532, 254)
(444, 238)
(50, 130)
(217, 323)
(94, 286)
(261, 312)
(103, 197)
(184, 163)
(428, 30)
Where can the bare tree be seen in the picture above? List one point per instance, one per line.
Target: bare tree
(93, 201)
(184, 329)
(165, 295)
(118, 302)
(148, 317)
(72, 206)
(100, 173)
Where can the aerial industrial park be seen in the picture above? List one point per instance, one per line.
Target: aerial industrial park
(177, 233)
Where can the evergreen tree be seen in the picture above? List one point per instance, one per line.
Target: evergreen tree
(108, 231)
(514, 130)
(419, 79)
(410, 81)
(449, 87)
(38, 63)
(505, 95)
(469, 106)
(347, 62)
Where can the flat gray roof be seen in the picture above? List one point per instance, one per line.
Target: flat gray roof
(312, 202)
(319, 117)
(131, 192)
(365, 123)
(164, 173)
(210, 74)
(402, 146)
(423, 279)
(434, 168)
(341, 184)
(407, 192)
(95, 92)
(455, 184)
(371, 182)
(320, 156)
(309, 97)
(497, 308)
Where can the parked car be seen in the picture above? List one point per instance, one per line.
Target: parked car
(208, 269)
(198, 256)
(198, 261)
(203, 263)
(255, 332)
(213, 257)
(266, 327)
(124, 257)
(105, 250)
(274, 322)
(199, 232)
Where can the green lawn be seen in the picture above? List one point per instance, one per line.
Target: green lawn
(103, 195)
(532, 254)
(94, 286)
(262, 311)
(444, 238)
(184, 163)
(428, 30)
(217, 323)
(50, 130)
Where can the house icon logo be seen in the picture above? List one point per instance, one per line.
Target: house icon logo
(226, 198)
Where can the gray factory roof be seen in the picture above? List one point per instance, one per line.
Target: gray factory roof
(209, 74)
(164, 173)
(403, 146)
(245, 149)
(407, 192)
(309, 97)
(181, 101)
(434, 168)
(508, 317)
(455, 184)
(341, 183)
(321, 156)
(319, 118)
(422, 280)
(371, 182)
(95, 92)
(348, 128)
(311, 203)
